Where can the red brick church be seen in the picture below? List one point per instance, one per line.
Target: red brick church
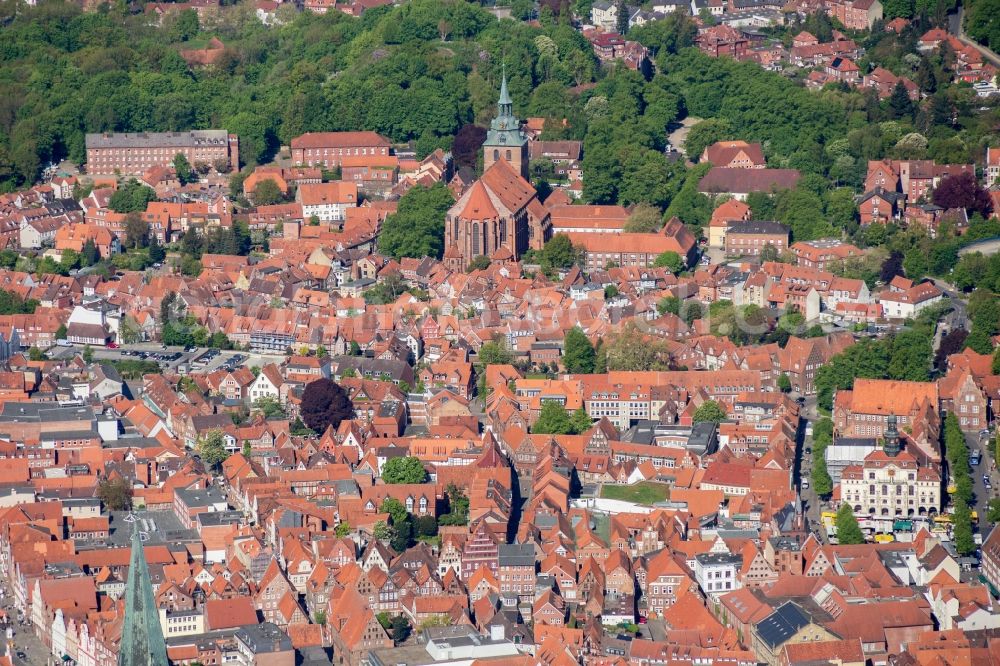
(500, 216)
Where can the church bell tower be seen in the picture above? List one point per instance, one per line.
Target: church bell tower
(142, 641)
(505, 140)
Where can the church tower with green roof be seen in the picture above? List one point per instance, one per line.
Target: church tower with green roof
(142, 641)
(505, 140)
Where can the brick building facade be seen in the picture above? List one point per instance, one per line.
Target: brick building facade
(132, 154)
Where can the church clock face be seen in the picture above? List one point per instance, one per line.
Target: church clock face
(503, 124)
(503, 139)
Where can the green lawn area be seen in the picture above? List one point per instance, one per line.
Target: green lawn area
(644, 492)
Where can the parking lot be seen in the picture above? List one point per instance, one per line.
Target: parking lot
(174, 359)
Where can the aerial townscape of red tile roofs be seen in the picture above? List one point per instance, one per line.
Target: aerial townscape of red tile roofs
(510, 393)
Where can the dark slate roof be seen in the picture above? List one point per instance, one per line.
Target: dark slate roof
(195, 497)
(758, 227)
(158, 139)
(264, 638)
(727, 180)
(516, 555)
(782, 624)
(888, 195)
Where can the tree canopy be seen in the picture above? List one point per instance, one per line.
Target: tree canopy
(644, 219)
(325, 404)
(709, 411)
(407, 469)
(131, 197)
(116, 493)
(416, 229)
(578, 353)
(848, 530)
(669, 260)
(212, 448)
(553, 419)
(13, 303)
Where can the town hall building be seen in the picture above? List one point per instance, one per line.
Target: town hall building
(500, 216)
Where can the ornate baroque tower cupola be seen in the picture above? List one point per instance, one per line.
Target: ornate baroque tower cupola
(505, 140)
(890, 442)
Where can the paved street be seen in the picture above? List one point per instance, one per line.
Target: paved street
(956, 28)
(811, 503)
(25, 641)
(987, 466)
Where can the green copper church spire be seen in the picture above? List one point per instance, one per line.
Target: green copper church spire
(142, 641)
(505, 103)
(505, 140)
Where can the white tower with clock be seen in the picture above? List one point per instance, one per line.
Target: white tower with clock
(505, 140)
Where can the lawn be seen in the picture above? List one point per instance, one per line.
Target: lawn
(644, 492)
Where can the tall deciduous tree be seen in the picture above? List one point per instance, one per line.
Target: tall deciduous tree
(709, 411)
(185, 174)
(325, 404)
(822, 483)
(116, 494)
(136, 230)
(578, 352)
(644, 219)
(131, 197)
(552, 420)
(558, 253)
(631, 349)
(495, 352)
(408, 469)
(212, 448)
(962, 525)
(963, 191)
(267, 193)
(468, 141)
(416, 229)
(848, 530)
(669, 260)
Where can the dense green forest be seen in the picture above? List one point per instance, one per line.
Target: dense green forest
(982, 22)
(423, 71)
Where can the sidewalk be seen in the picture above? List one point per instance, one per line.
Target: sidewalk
(986, 52)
